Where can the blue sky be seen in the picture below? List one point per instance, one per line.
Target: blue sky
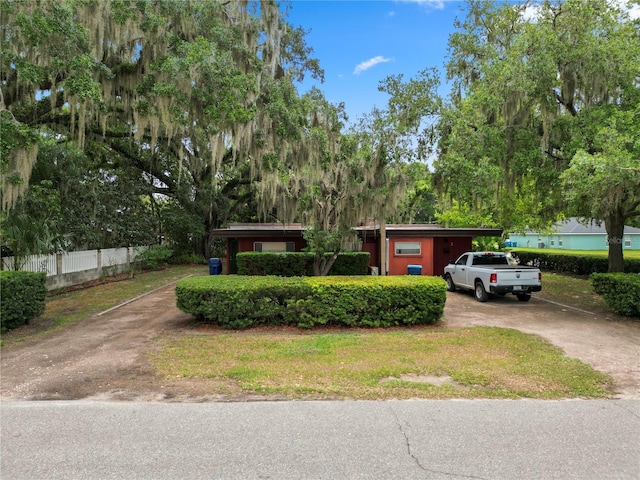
(359, 43)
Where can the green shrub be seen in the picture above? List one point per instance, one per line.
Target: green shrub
(621, 291)
(187, 259)
(351, 263)
(154, 257)
(290, 264)
(576, 264)
(23, 297)
(358, 301)
(296, 264)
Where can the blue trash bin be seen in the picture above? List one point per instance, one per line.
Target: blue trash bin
(414, 269)
(215, 266)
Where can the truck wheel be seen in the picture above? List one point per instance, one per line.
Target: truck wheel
(523, 297)
(451, 287)
(480, 292)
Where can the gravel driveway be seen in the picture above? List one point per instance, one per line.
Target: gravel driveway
(104, 357)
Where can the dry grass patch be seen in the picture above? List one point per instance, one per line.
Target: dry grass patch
(481, 362)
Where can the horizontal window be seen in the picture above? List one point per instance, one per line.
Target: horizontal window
(274, 247)
(408, 248)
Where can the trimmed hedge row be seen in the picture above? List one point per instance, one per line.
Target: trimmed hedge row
(621, 291)
(576, 264)
(299, 264)
(23, 297)
(365, 301)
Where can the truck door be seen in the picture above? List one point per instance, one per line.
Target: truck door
(460, 272)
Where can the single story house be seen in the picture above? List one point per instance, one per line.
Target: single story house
(572, 234)
(429, 246)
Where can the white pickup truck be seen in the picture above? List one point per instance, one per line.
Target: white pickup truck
(490, 272)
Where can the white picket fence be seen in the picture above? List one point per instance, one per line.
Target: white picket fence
(72, 268)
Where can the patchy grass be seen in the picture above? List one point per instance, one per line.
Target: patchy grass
(424, 362)
(573, 291)
(65, 308)
(481, 362)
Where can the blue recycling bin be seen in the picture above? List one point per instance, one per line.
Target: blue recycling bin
(414, 269)
(215, 266)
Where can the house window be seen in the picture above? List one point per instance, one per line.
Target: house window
(552, 242)
(274, 247)
(559, 242)
(408, 248)
(627, 241)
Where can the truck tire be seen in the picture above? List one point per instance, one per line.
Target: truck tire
(523, 297)
(480, 293)
(451, 287)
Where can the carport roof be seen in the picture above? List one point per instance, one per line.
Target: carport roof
(244, 230)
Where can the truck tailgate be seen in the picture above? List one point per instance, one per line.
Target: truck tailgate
(515, 277)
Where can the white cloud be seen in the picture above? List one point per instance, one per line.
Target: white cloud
(435, 4)
(367, 64)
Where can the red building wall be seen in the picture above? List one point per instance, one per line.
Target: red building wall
(398, 263)
(446, 249)
(370, 244)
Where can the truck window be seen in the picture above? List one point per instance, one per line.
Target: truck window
(462, 260)
(490, 260)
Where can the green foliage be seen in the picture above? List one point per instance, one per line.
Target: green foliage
(98, 203)
(23, 297)
(527, 95)
(242, 302)
(13, 136)
(574, 263)
(294, 264)
(129, 82)
(154, 257)
(187, 259)
(620, 291)
(34, 226)
(291, 264)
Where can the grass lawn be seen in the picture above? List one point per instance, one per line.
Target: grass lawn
(572, 291)
(425, 362)
(480, 362)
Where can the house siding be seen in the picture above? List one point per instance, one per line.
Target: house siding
(399, 263)
(446, 249)
(568, 241)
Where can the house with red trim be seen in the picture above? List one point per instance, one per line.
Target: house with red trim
(427, 246)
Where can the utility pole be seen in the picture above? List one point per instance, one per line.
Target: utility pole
(383, 247)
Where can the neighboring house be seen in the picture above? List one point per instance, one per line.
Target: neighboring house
(427, 245)
(571, 234)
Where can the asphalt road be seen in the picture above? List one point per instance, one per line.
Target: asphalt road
(420, 439)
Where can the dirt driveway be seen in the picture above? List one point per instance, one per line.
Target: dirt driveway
(104, 356)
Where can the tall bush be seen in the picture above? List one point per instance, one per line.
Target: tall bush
(571, 263)
(620, 291)
(23, 297)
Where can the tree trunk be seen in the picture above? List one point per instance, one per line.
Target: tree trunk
(614, 225)
(321, 266)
